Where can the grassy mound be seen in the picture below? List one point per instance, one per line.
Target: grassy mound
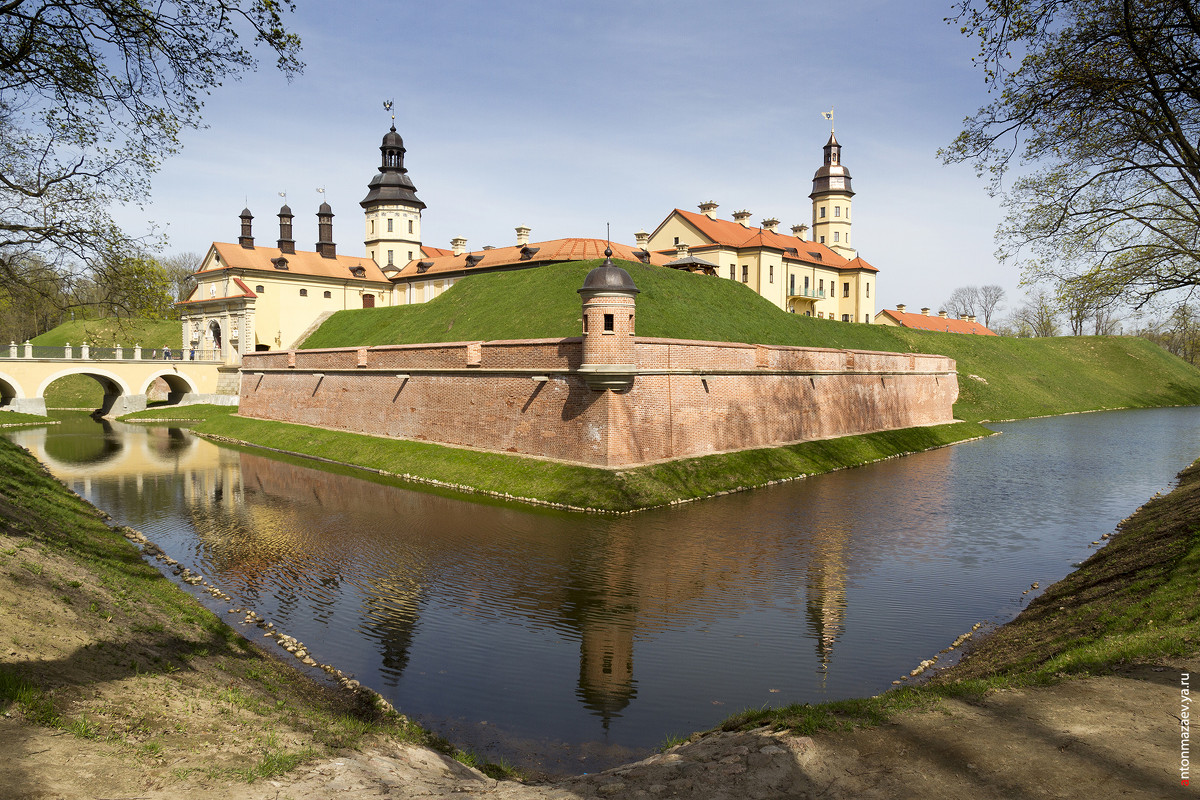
(999, 377)
(111, 331)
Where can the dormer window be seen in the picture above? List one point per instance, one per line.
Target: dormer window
(472, 260)
(642, 256)
(358, 271)
(279, 263)
(528, 252)
(422, 266)
(816, 255)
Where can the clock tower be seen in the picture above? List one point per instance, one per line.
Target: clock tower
(831, 201)
(392, 210)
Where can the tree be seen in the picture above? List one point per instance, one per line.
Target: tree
(93, 95)
(963, 302)
(990, 298)
(137, 287)
(1101, 118)
(179, 268)
(1037, 317)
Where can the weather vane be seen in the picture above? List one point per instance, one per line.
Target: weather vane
(387, 106)
(829, 116)
(284, 196)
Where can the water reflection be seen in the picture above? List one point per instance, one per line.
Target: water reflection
(516, 630)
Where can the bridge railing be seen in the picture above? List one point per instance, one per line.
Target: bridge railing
(86, 352)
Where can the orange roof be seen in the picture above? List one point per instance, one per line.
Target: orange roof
(555, 250)
(435, 251)
(927, 322)
(735, 234)
(244, 291)
(301, 262)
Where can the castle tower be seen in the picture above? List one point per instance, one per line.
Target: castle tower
(391, 208)
(609, 300)
(831, 201)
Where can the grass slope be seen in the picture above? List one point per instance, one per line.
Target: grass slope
(1014, 378)
(112, 331)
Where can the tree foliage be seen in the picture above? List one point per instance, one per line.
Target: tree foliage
(93, 95)
(1099, 119)
(975, 301)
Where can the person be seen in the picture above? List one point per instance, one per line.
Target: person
(167, 353)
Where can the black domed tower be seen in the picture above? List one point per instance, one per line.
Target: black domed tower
(392, 210)
(831, 201)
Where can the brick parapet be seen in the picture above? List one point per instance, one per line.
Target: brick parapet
(689, 398)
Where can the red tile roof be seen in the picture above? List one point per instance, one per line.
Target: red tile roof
(735, 234)
(927, 322)
(244, 292)
(302, 262)
(555, 250)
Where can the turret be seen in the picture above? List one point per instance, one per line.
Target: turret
(392, 212)
(830, 197)
(609, 300)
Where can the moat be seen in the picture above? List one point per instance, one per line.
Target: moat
(571, 642)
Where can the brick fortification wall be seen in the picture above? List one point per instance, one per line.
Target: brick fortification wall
(688, 398)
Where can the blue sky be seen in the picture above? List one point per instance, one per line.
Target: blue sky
(565, 116)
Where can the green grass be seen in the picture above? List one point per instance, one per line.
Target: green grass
(190, 413)
(112, 331)
(580, 486)
(1020, 377)
(9, 418)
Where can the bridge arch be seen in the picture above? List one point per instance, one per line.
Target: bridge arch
(10, 389)
(177, 382)
(112, 382)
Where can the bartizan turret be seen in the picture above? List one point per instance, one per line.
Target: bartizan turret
(609, 300)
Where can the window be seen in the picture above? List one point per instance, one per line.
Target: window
(867, 319)
(845, 317)
(676, 240)
(410, 229)
(304, 292)
(821, 286)
(372, 226)
(791, 284)
(609, 325)
(845, 290)
(868, 289)
(328, 295)
(836, 235)
(745, 273)
(390, 257)
(822, 212)
(837, 211)
(822, 240)
(259, 289)
(389, 224)
(821, 315)
(373, 255)
(410, 255)
(806, 286)
(771, 274)
(733, 272)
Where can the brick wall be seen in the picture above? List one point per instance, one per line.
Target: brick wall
(689, 398)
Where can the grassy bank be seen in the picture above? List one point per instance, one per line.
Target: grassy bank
(10, 418)
(999, 377)
(111, 331)
(1134, 601)
(573, 486)
(101, 646)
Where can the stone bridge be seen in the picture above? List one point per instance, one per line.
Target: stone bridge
(126, 374)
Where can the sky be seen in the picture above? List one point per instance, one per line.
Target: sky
(567, 116)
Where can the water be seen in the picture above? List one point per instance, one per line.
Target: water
(568, 642)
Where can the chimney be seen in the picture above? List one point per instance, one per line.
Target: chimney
(523, 235)
(709, 209)
(942, 314)
(800, 232)
(325, 245)
(286, 243)
(971, 319)
(925, 311)
(770, 224)
(246, 240)
(900, 307)
(741, 217)
(643, 239)
(458, 245)
(681, 250)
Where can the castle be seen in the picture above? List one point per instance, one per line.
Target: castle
(251, 298)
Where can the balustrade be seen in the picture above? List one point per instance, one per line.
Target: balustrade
(86, 352)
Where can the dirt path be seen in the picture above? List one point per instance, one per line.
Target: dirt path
(1107, 737)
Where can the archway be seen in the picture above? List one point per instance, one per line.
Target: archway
(214, 334)
(116, 397)
(178, 385)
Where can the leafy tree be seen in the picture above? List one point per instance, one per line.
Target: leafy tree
(93, 95)
(137, 287)
(1037, 317)
(1100, 117)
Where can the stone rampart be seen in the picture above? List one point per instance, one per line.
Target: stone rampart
(688, 398)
